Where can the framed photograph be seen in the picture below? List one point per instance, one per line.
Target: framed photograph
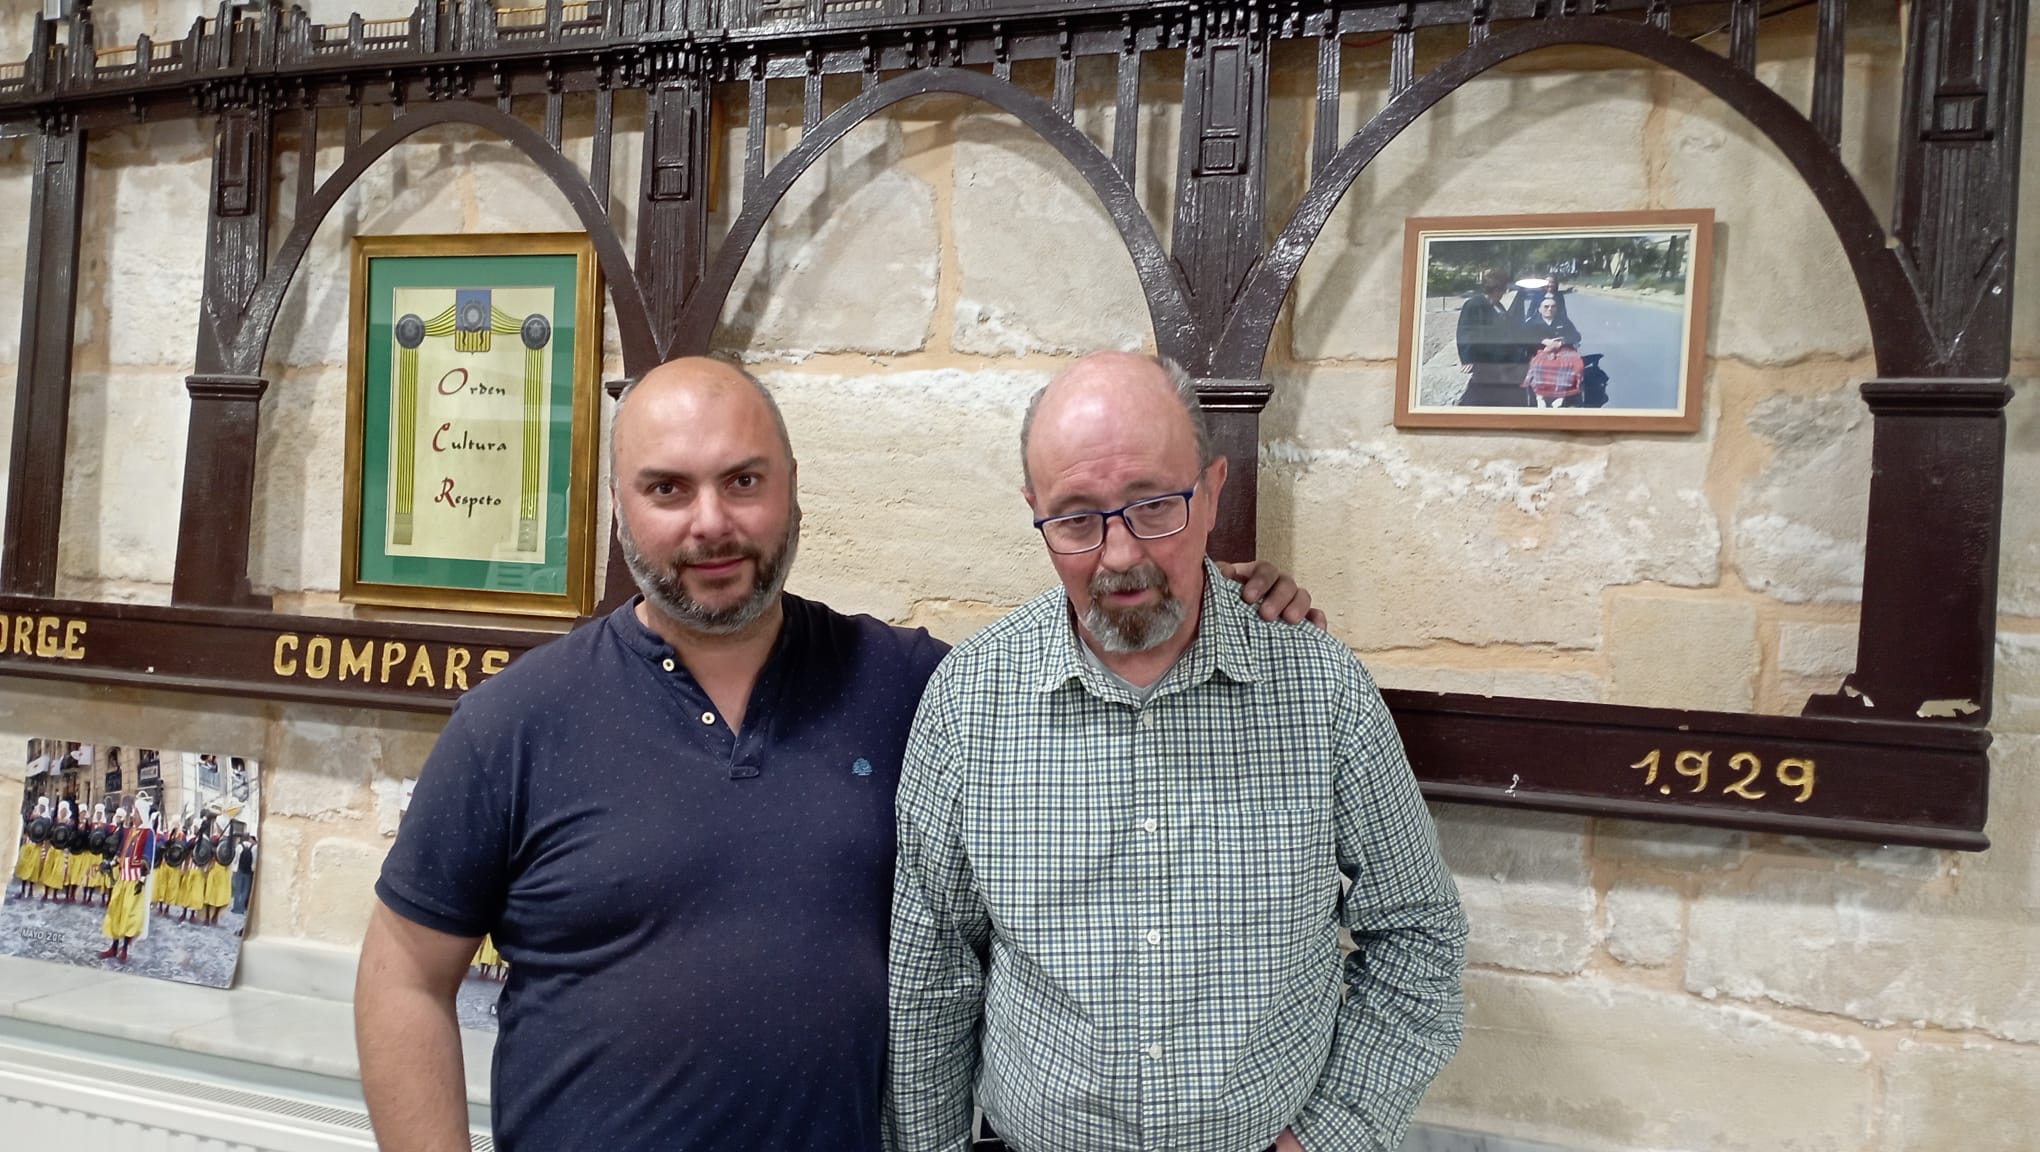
(471, 434)
(1581, 321)
(155, 881)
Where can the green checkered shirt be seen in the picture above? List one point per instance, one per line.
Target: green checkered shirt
(1118, 922)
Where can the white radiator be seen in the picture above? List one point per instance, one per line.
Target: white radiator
(51, 1099)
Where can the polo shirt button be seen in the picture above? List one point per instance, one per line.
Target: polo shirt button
(667, 665)
(1154, 1051)
(708, 717)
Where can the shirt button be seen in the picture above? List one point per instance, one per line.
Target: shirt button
(1154, 1051)
(1149, 825)
(708, 717)
(667, 665)
(1154, 936)
(1147, 719)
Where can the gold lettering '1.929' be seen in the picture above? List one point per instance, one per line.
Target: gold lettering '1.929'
(1744, 778)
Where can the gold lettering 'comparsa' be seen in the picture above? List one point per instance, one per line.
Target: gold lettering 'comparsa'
(345, 660)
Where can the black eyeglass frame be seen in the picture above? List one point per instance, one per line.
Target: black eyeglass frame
(1105, 520)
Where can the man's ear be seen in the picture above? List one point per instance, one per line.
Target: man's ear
(1214, 483)
(1027, 494)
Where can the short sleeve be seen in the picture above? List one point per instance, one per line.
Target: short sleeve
(449, 870)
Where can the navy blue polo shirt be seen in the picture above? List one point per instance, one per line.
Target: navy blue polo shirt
(695, 919)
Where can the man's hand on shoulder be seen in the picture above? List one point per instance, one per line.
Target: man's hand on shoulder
(1287, 1142)
(1265, 585)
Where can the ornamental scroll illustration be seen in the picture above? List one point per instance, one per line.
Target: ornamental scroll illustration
(484, 398)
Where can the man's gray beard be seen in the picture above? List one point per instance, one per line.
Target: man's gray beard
(1133, 629)
(663, 590)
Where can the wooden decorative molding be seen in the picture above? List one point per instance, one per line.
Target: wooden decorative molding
(1899, 756)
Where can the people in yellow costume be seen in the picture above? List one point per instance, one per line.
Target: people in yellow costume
(191, 885)
(96, 880)
(165, 888)
(219, 887)
(127, 912)
(28, 865)
(56, 862)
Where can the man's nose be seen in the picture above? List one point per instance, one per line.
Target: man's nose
(1121, 549)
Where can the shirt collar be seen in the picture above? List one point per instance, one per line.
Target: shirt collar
(1222, 646)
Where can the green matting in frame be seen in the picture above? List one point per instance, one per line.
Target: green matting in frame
(471, 410)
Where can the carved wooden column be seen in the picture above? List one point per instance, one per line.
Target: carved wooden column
(672, 241)
(1927, 641)
(42, 389)
(1928, 630)
(1216, 240)
(1233, 410)
(217, 515)
(1219, 196)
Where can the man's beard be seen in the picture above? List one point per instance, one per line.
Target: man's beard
(1136, 629)
(664, 590)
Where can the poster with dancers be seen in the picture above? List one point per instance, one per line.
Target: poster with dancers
(134, 859)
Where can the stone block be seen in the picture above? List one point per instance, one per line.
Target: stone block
(1042, 267)
(1646, 924)
(16, 186)
(1960, 1098)
(1685, 847)
(1445, 164)
(1799, 521)
(340, 890)
(1879, 949)
(1524, 883)
(1470, 538)
(2019, 544)
(1530, 683)
(129, 717)
(123, 477)
(2026, 272)
(1609, 1068)
(910, 486)
(846, 262)
(274, 911)
(2016, 685)
(1674, 651)
(300, 463)
(1782, 287)
(142, 253)
(1824, 651)
(323, 762)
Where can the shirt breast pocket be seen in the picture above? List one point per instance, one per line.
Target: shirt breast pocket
(1270, 871)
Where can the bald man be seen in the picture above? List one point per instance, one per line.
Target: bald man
(1124, 817)
(677, 825)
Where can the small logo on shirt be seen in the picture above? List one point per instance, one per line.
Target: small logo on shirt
(861, 767)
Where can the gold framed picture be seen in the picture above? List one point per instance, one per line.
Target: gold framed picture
(1585, 321)
(472, 377)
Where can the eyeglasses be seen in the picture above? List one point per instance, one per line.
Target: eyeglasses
(1149, 519)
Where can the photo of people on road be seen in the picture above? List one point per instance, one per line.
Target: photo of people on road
(134, 859)
(1575, 321)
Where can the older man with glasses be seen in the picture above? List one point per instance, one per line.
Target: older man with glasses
(1133, 819)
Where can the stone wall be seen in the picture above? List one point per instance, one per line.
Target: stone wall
(1633, 985)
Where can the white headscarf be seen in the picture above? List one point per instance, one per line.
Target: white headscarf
(42, 807)
(64, 810)
(99, 813)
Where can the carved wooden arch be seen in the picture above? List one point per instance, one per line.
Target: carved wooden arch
(632, 319)
(1900, 334)
(1161, 281)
